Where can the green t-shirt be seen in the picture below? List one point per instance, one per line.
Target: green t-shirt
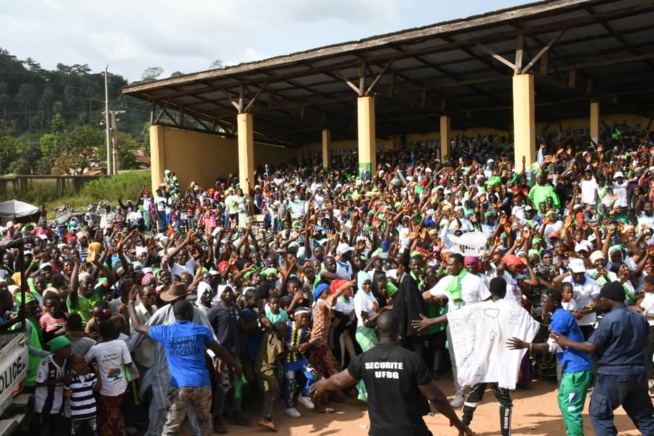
(84, 305)
(281, 316)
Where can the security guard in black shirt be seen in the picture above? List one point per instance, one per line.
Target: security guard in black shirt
(398, 381)
(620, 342)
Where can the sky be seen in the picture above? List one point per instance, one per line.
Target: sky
(188, 36)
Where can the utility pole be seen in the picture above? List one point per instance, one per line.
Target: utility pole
(106, 119)
(114, 131)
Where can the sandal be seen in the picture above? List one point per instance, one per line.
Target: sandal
(325, 410)
(270, 425)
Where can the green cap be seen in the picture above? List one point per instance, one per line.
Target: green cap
(58, 343)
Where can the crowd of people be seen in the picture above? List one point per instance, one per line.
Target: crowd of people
(211, 302)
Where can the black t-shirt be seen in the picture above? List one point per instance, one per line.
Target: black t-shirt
(392, 375)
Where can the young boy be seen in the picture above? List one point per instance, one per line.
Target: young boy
(80, 388)
(49, 394)
(113, 358)
(568, 303)
(274, 312)
(298, 344)
(265, 367)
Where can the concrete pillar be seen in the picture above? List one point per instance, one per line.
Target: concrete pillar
(446, 143)
(524, 119)
(157, 156)
(245, 152)
(367, 135)
(595, 122)
(326, 145)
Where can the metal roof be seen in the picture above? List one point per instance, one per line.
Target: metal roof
(601, 50)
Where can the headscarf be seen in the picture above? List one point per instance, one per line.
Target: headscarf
(362, 276)
(336, 284)
(318, 290)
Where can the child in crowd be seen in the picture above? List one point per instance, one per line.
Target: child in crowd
(113, 357)
(273, 310)
(295, 361)
(49, 394)
(270, 353)
(80, 389)
(568, 303)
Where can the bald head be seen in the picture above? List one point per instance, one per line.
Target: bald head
(388, 324)
(183, 310)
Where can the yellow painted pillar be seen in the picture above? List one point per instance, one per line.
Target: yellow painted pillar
(245, 152)
(446, 143)
(524, 119)
(157, 156)
(326, 145)
(595, 122)
(367, 135)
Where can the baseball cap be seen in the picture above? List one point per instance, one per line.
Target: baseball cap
(577, 266)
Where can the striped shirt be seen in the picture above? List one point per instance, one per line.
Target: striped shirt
(49, 400)
(82, 401)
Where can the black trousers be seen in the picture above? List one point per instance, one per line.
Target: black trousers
(503, 397)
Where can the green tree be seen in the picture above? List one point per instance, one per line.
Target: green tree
(216, 64)
(27, 162)
(8, 147)
(63, 165)
(127, 147)
(84, 143)
(151, 73)
(145, 139)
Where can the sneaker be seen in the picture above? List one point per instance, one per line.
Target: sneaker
(306, 402)
(293, 413)
(457, 401)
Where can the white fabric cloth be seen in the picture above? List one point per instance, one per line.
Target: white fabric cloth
(479, 334)
(473, 290)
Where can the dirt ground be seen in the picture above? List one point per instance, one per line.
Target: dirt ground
(535, 412)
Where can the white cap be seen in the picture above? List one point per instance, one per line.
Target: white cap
(448, 191)
(618, 174)
(577, 266)
(343, 248)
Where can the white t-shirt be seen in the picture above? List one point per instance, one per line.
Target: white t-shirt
(111, 357)
(644, 220)
(364, 302)
(648, 305)
(621, 192)
(479, 333)
(588, 190)
(473, 290)
(584, 293)
(570, 306)
(345, 307)
(344, 270)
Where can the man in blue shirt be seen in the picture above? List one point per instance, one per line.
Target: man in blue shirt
(185, 343)
(577, 365)
(620, 342)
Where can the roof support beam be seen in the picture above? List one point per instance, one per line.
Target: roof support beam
(543, 54)
(497, 57)
(377, 78)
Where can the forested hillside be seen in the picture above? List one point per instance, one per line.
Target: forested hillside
(52, 121)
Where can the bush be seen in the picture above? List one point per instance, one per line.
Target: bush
(128, 184)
